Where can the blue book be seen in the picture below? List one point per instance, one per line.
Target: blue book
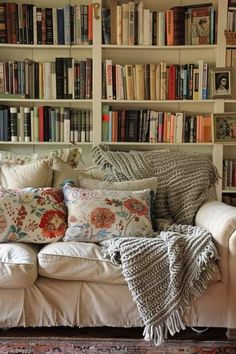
(60, 26)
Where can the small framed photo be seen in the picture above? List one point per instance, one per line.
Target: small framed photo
(222, 83)
(224, 127)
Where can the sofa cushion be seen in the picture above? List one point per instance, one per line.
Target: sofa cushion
(77, 261)
(18, 265)
(70, 155)
(36, 174)
(97, 215)
(35, 215)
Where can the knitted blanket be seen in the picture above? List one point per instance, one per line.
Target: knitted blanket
(183, 179)
(165, 274)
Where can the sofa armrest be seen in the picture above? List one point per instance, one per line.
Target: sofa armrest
(220, 220)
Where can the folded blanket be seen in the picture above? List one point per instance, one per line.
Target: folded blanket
(184, 179)
(165, 274)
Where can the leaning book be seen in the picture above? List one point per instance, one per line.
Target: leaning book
(201, 18)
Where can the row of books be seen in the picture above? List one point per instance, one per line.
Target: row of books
(230, 60)
(229, 174)
(131, 24)
(229, 199)
(28, 24)
(45, 124)
(65, 78)
(155, 127)
(158, 81)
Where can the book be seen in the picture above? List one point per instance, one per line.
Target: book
(201, 24)
(3, 27)
(113, 16)
(106, 28)
(13, 123)
(109, 79)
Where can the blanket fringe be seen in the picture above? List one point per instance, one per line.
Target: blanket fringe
(157, 333)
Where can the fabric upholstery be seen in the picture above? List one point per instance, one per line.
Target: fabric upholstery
(36, 174)
(78, 261)
(18, 265)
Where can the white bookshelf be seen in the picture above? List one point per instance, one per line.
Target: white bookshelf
(214, 54)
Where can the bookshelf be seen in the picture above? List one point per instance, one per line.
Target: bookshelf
(122, 54)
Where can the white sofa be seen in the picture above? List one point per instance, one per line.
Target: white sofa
(71, 284)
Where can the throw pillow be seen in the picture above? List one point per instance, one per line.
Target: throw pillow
(70, 155)
(62, 171)
(183, 179)
(36, 215)
(36, 174)
(95, 215)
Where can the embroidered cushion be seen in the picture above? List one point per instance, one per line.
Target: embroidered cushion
(95, 215)
(70, 155)
(36, 215)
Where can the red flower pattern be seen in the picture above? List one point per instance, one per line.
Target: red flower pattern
(135, 206)
(102, 218)
(53, 223)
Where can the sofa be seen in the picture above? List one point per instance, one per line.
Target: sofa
(45, 281)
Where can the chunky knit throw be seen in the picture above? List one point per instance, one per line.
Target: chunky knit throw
(183, 179)
(165, 274)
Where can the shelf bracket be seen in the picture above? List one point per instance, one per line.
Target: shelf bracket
(96, 7)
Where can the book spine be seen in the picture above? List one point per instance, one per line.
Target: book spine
(3, 25)
(27, 127)
(13, 123)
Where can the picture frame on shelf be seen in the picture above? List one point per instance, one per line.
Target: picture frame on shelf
(225, 127)
(222, 82)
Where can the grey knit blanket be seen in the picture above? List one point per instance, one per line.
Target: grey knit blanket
(165, 274)
(184, 179)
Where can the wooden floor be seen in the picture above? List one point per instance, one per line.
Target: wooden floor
(107, 332)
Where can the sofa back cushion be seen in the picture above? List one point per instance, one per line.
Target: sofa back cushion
(36, 215)
(36, 174)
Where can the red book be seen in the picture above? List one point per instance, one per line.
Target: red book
(41, 124)
(11, 22)
(172, 82)
(90, 23)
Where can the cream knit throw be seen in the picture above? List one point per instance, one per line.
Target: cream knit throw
(165, 274)
(183, 179)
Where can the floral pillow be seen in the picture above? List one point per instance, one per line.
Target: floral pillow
(36, 215)
(95, 215)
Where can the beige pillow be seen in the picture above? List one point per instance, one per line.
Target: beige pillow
(36, 174)
(63, 171)
(71, 156)
(131, 185)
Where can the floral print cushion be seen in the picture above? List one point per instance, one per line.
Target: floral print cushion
(36, 215)
(95, 215)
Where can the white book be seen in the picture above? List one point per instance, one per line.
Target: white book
(20, 124)
(131, 22)
(179, 118)
(36, 124)
(67, 126)
(158, 81)
(77, 24)
(35, 24)
(47, 82)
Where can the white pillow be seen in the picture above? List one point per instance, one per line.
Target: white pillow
(37, 174)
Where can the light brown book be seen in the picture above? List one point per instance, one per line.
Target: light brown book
(152, 81)
(139, 81)
(129, 81)
(113, 21)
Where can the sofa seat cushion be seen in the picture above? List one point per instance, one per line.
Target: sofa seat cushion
(18, 265)
(77, 261)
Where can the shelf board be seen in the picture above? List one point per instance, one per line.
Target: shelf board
(162, 47)
(156, 144)
(46, 46)
(229, 191)
(43, 142)
(45, 101)
(158, 101)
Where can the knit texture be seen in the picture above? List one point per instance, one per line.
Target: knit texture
(183, 179)
(165, 274)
